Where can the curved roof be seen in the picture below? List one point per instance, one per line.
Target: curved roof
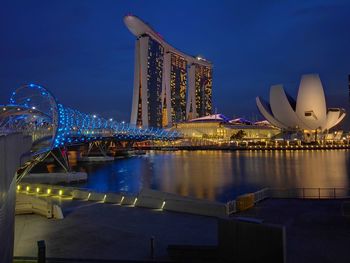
(286, 113)
(214, 117)
(310, 112)
(139, 28)
(264, 109)
(311, 99)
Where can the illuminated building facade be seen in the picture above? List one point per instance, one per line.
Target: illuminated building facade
(178, 86)
(202, 90)
(217, 127)
(166, 81)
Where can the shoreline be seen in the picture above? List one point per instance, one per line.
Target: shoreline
(246, 148)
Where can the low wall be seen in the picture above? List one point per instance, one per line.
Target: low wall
(54, 178)
(147, 198)
(29, 204)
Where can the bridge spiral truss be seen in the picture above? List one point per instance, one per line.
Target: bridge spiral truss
(33, 110)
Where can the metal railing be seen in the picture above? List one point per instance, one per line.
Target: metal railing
(310, 193)
(296, 193)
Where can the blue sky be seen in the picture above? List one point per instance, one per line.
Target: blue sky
(84, 54)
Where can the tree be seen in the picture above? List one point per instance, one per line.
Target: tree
(238, 135)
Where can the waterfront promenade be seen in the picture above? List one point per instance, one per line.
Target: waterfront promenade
(96, 230)
(317, 230)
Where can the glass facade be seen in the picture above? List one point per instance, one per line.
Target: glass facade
(154, 83)
(178, 85)
(203, 90)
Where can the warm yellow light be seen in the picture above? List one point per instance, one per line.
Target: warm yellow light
(88, 196)
(18, 187)
(121, 201)
(163, 204)
(27, 188)
(135, 201)
(48, 191)
(37, 189)
(60, 192)
(104, 198)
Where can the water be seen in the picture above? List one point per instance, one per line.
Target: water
(219, 175)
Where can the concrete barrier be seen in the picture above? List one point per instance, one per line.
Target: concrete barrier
(54, 178)
(80, 194)
(176, 203)
(113, 198)
(29, 204)
(146, 198)
(129, 200)
(97, 196)
(57, 212)
(197, 207)
(44, 189)
(149, 202)
(96, 159)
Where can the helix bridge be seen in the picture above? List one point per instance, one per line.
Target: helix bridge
(34, 111)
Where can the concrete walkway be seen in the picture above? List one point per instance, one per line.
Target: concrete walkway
(316, 230)
(104, 231)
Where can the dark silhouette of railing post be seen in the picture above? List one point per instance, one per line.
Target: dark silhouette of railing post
(41, 251)
(152, 247)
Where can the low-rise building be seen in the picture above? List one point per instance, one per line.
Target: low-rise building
(219, 127)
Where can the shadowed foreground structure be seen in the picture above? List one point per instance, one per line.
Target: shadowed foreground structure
(317, 230)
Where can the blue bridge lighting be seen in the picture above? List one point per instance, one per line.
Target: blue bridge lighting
(36, 112)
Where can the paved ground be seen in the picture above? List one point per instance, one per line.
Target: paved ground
(316, 230)
(105, 231)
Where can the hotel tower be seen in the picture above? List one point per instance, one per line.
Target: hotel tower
(169, 85)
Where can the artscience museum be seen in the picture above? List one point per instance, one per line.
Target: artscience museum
(308, 113)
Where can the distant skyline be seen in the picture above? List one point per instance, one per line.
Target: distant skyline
(84, 54)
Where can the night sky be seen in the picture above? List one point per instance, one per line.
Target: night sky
(84, 54)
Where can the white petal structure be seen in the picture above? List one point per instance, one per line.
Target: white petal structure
(311, 103)
(309, 112)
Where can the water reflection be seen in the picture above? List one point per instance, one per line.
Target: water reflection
(219, 175)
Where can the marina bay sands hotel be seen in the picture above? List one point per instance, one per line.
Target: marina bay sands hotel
(169, 85)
